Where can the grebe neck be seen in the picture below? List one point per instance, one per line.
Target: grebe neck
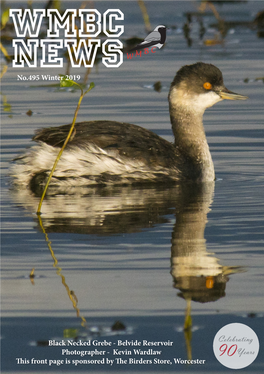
(190, 139)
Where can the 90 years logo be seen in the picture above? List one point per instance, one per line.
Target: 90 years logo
(236, 346)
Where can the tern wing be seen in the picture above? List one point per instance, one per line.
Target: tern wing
(154, 35)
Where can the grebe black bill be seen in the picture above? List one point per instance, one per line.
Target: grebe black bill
(107, 152)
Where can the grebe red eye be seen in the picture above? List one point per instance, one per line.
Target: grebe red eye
(207, 85)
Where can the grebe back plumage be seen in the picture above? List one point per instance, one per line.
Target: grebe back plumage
(107, 152)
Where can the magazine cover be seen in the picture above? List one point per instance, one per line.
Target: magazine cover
(132, 186)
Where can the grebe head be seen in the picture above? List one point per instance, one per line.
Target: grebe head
(199, 86)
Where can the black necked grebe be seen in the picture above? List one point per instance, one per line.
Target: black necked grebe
(107, 152)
